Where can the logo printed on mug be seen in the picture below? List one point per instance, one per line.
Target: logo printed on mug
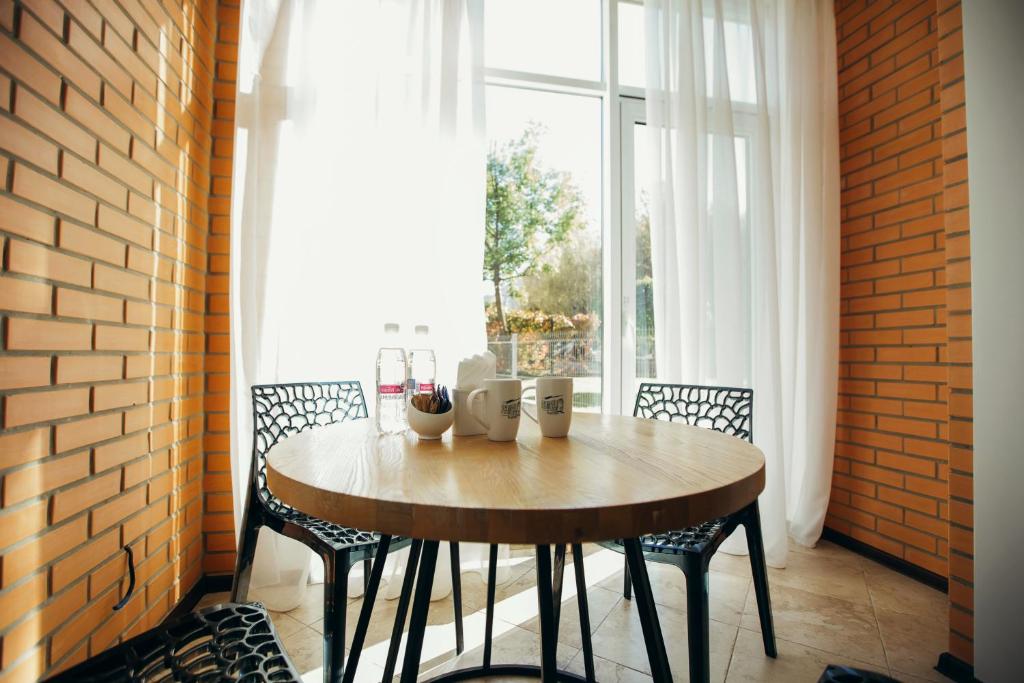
(510, 408)
(554, 405)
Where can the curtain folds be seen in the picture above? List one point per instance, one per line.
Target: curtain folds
(359, 176)
(742, 125)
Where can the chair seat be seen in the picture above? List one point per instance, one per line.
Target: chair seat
(334, 535)
(227, 642)
(692, 539)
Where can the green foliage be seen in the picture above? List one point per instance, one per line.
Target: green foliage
(527, 323)
(569, 281)
(530, 210)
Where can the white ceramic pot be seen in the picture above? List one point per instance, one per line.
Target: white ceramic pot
(428, 425)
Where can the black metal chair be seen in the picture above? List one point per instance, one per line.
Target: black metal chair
(227, 642)
(279, 411)
(731, 411)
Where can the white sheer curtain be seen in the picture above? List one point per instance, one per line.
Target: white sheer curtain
(743, 132)
(359, 198)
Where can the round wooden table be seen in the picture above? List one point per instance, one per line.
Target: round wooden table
(612, 477)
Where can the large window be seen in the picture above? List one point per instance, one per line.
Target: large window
(568, 277)
(544, 271)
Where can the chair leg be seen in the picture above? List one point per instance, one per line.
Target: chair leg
(367, 568)
(336, 567)
(755, 546)
(369, 596)
(627, 583)
(697, 616)
(251, 523)
(402, 610)
(492, 578)
(460, 639)
(584, 609)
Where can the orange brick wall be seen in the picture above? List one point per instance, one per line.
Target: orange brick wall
(218, 520)
(958, 329)
(106, 129)
(902, 462)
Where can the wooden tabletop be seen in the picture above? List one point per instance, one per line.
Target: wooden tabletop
(612, 477)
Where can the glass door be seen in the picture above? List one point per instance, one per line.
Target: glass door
(639, 363)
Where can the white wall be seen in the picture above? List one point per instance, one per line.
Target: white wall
(994, 63)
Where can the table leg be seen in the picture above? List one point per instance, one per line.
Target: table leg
(402, 611)
(492, 579)
(644, 600)
(545, 607)
(581, 600)
(420, 607)
(556, 585)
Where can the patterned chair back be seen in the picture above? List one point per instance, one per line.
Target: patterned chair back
(281, 410)
(723, 409)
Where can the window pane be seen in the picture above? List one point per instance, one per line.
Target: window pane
(739, 59)
(646, 366)
(543, 237)
(631, 45)
(560, 38)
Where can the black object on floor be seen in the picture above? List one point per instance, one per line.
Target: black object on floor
(834, 673)
(228, 642)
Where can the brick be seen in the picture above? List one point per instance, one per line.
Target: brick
(91, 244)
(22, 409)
(909, 500)
(51, 122)
(96, 121)
(120, 281)
(37, 479)
(72, 435)
(88, 368)
(107, 396)
(39, 624)
(21, 141)
(25, 296)
(29, 70)
(124, 226)
(57, 55)
(21, 219)
(22, 599)
(94, 182)
(125, 170)
(19, 372)
(79, 563)
(119, 452)
(46, 192)
(47, 335)
(22, 447)
(109, 338)
(116, 510)
(73, 303)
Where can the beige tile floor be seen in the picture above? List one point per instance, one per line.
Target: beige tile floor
(830, 606)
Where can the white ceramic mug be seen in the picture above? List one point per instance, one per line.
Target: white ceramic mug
(500, 414)
(554, 405)
(465, 423)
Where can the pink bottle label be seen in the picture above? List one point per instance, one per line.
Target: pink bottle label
(391, 389)
(426, 388)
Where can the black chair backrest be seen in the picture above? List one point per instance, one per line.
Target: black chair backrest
(724, 409)
(281, 410)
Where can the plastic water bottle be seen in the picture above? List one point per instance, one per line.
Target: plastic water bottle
(391, 379)
(422, 363)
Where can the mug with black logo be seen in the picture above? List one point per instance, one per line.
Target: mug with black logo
(502, 405)
(554, 405)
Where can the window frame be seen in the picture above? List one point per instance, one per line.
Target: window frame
(622, 107)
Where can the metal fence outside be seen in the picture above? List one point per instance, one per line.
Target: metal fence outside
(566, 354)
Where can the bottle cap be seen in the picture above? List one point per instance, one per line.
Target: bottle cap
(391, 328)
(422, 329)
